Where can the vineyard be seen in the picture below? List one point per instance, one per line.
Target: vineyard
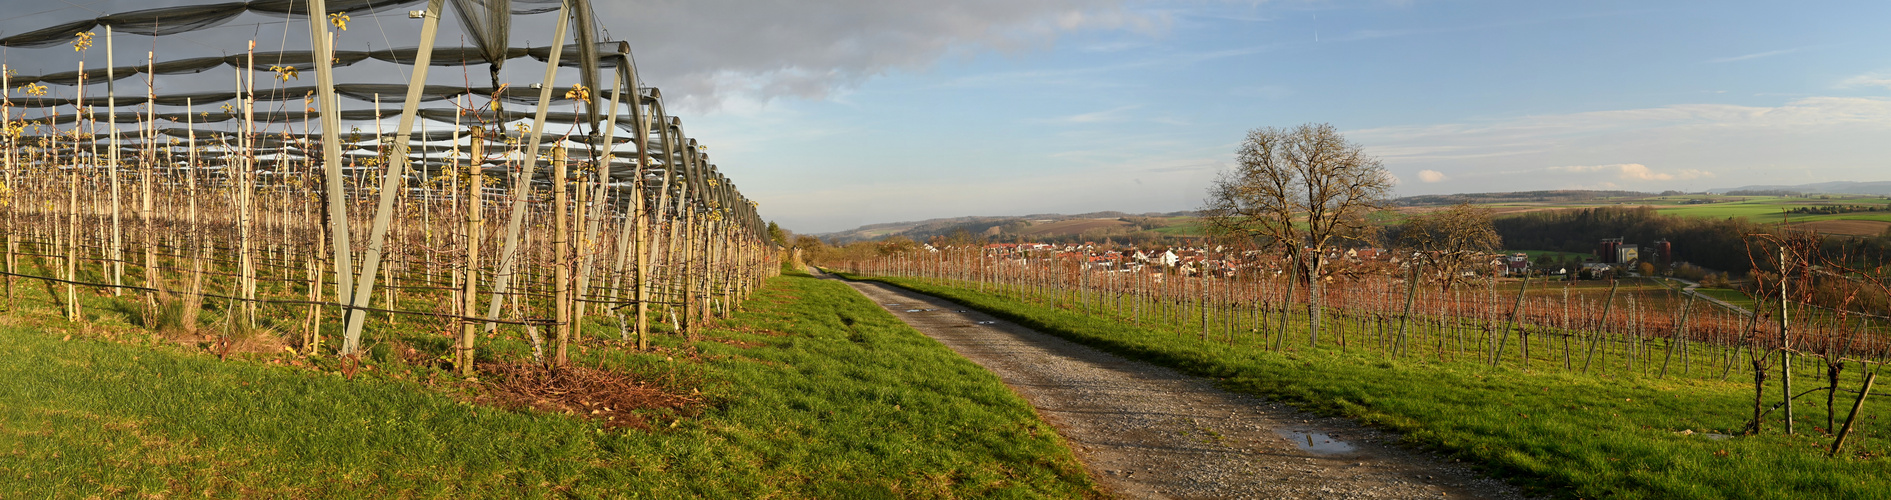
(1824, 357)
(288, 210)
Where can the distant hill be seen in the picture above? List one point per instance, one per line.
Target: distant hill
(1034, 227)
(1558, 196)
(1881, 188)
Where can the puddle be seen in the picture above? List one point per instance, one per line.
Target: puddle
(914, 310)
(988, 322)
(1315, 441)
(1709, 435)
(892, 305)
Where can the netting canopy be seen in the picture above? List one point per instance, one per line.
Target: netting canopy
(365, 94)
(348, 129)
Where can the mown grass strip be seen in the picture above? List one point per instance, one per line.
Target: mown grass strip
(1554, 433)
(814, 392)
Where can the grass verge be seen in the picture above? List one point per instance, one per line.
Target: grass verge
(812, 392)
(1554, 433)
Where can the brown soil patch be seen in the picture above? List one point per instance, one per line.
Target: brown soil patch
(1846, 227)
(754, 331)
(615, 400)
(737, 343)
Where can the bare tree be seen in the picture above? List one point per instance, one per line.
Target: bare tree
(1447, 240)
(1450, 240)
(1302, 190)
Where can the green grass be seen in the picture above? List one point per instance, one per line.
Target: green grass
(1730, 296)
(1558, 433)
(1770, 209)
(813, 392)
(1876, 216)
(1755, 211)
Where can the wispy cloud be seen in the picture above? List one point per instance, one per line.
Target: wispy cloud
(1109, 115)
(1755, 55)
(1866, 80)
(1116, 46)
(1632, 172)
(1373, 34)
(1668, 147)
(1263, 91)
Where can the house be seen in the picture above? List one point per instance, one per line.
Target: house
(1517, 263)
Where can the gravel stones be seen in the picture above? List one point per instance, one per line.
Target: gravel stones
(1145, 431)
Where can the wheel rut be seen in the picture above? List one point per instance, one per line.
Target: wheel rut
(1145, 431)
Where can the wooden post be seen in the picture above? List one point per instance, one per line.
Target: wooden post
(1785, 343)
(1286, 302)
(1679, 339)
(1595, 338)
(1504, 336)
(152, 276)
(1853, 418)
(111, 118)
(561, 257)
(475, 228)
(509, 256)
(1411, 291)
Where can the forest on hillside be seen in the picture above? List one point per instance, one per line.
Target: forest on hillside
(1721, 244)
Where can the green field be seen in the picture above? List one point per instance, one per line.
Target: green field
(1557, 433)
(1534, 254)
(1771, 209)
(814, 392)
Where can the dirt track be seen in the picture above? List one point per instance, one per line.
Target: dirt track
(1148, 432)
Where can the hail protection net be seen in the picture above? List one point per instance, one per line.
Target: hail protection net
(259, 103)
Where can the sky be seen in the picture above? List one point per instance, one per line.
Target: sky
(833, 114)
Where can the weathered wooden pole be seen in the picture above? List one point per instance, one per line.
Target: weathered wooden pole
(561, 257)
(1785, 342)
(509, 256)
(1679, 339)
(1595, 338)
(1853, 418)
(1411, 292)
(475, 228)
(111, 118)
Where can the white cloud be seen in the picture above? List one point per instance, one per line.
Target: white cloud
(1108, 115)
(1683, 146)
(1634, 171)
(1542, 133)
(1271, 92)
(1755, 55)
(1429, 176)
(1866, 80)
(706, 51)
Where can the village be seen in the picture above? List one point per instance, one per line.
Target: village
(1611, 255)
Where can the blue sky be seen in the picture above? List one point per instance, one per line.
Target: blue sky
(837, 113)
(1138, 111)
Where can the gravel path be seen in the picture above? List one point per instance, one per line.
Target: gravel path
(1148, 432)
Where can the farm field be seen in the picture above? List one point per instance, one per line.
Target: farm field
(811, 392)
(1075, 227)
(1765, 209)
